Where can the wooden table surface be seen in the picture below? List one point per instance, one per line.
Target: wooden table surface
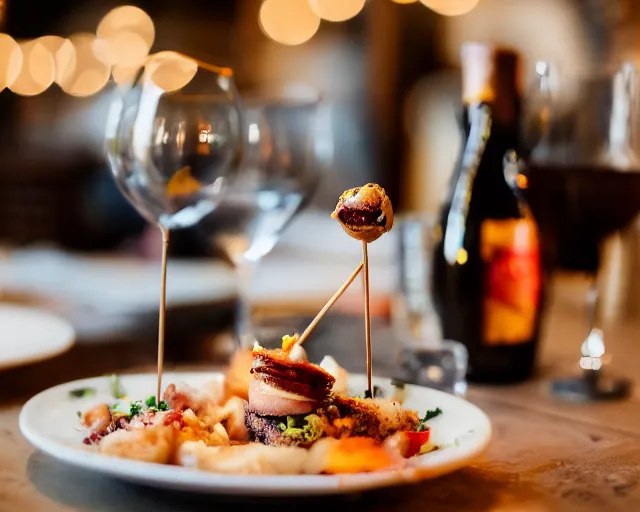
(545, 455)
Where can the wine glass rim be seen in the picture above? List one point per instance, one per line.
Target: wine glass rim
(222, 70)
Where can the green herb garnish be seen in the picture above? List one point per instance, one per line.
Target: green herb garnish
(79, 414)
(151, 404)
(429, 415)
(82, 392)
(311, 430)
(116, 388)
(135, 408)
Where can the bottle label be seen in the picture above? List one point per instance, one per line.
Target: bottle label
(510, 251)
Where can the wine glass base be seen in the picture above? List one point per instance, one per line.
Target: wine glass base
(591, 387)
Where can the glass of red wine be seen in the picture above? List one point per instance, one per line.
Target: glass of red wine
(583, 187)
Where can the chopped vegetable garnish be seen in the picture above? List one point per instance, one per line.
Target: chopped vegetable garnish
(135, 408)
(430, 414)
(82, 392)
(116, 388)
(311, 430)
(151, 401)
(163, 406)
(79, 414)
(416, 441)
(288, 342)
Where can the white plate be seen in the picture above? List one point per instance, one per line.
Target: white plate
(30, 335)
(49, 421)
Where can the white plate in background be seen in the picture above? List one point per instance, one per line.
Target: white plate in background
(28, 335)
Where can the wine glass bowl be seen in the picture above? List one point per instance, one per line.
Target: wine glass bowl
(583, 187)
(174, 138)
(279, 173)
(287, 142)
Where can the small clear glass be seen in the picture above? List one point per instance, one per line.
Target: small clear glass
(424, 357)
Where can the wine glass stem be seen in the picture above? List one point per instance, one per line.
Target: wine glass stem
(162, 309)
(246, 272)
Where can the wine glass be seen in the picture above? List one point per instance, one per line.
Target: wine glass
(287, 141)
(174, 139)
(584, 184)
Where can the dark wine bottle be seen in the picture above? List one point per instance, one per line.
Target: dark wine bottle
(487, 278)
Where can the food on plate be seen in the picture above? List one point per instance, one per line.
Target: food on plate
(365, 213)
(238, 375)
(286, 415)
(292, 403)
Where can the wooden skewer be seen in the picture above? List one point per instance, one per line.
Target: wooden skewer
(328, 305)
(367, 316)
(163, 307)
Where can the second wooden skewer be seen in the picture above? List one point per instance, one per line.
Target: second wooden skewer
(330, 303)
(367, 316)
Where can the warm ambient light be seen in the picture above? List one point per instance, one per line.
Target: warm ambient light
(336, 10)
(91, 72)
(289, 22)
(10, 61)
(170, 71)
(64, 55)
(124, 74)
(450, 7)
(37, 72)
(127, 33)
(127, 19)
(404, 1)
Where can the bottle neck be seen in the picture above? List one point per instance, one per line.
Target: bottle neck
(504, 133)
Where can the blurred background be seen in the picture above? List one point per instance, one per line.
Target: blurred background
(389, 75)
(387, 70)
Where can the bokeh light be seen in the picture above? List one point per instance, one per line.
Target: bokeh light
(451, 7)
(127, 33)
(127, 18)
(10, 61)
(126, 49)
(91, 71)
(170, 71)
(289, 22)
(124, 74)
(336, 10)
(64, 55)
(37, 71)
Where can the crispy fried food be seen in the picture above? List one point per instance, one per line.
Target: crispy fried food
(238, 377)
(274, 368)
(97, 419)
(149, 444)
(194, 429)
(341, 417)
(248, 459)
(375, 418)
(181, 396)
(365, 213)
(232, 416)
